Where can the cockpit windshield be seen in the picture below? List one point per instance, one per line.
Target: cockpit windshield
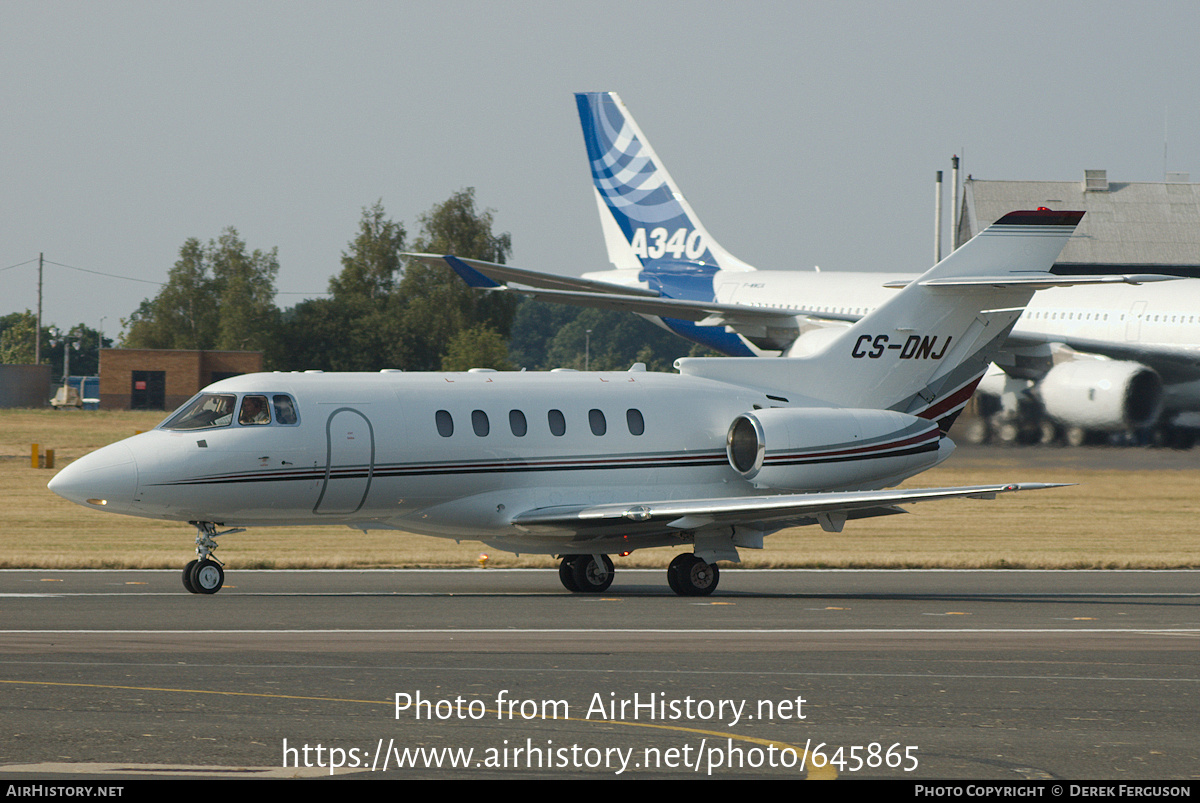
(212, 410)
(206, 411)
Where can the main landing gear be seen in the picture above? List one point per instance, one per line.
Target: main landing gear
(589, 574)
(205, 574)
(688, 575)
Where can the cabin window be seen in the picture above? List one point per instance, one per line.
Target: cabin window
(637, 424)
(597, 423)
(445, 423)
(517, 423)
(558, 424)
(285, 409)
(254, 411)
(206, 411)
(479, 423)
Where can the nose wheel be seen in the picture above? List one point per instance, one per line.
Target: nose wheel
(205, 574)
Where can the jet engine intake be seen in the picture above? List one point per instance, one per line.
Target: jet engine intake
(811, 449)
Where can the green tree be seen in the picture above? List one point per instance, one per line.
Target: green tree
(315, 335)
(216, 297)
(244, 284)
(477, 347)
(360, 327)
(372, 266)
(184, 313)
(16, 338)
(437, 303)
(552, 336)
(85, 345)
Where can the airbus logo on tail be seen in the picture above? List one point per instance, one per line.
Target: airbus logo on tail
(915, 347)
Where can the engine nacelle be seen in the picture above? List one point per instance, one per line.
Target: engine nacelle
(1102, 394)
(816, 449)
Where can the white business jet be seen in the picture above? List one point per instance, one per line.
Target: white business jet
(584, 465)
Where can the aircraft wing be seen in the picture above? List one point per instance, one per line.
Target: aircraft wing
(489, 275)
(603, 295)
(829, 509)
(706, 313)
(1174, 362)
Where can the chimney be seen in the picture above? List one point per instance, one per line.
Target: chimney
(1095, 181)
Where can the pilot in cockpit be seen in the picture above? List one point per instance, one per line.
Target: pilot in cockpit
(254, 411)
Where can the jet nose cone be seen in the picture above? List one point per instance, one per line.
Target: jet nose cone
(105, 479)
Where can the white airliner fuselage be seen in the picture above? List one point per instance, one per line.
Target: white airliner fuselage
(1149, 315)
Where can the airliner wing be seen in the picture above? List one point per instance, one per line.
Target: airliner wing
(603, 295)
(707, 313)
(1174, 362)
(829, 509)
(489, 275)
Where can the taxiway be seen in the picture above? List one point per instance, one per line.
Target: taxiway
(999, 675)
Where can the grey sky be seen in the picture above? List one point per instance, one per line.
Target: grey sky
(802, 133)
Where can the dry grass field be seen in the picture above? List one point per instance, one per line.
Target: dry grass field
(1130, 509)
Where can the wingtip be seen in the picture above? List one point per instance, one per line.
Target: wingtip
(472, 277)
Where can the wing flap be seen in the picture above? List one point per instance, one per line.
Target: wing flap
(1040, 281)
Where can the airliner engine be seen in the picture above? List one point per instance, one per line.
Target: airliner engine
(1104, 395)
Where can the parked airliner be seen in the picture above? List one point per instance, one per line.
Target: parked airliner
(583, 465)
(1101, 358)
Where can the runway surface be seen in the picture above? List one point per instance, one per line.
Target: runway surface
(891, 674)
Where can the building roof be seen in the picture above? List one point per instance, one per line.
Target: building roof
(1139, 224)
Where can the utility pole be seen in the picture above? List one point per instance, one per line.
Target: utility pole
(954, 243)
(937, 220)
(37, 329)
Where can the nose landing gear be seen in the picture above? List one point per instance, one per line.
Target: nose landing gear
(205, 574)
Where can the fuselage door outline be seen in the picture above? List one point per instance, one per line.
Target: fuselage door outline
(350, 453)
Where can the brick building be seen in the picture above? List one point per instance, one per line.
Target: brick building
(163, 379)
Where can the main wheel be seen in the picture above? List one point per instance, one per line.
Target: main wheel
(590, 576)
(207, 576)
(566, 572)
(187, 577)
(673, 579)
(690, 576)
(674, 569)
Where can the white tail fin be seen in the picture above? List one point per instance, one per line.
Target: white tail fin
(924, 351)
